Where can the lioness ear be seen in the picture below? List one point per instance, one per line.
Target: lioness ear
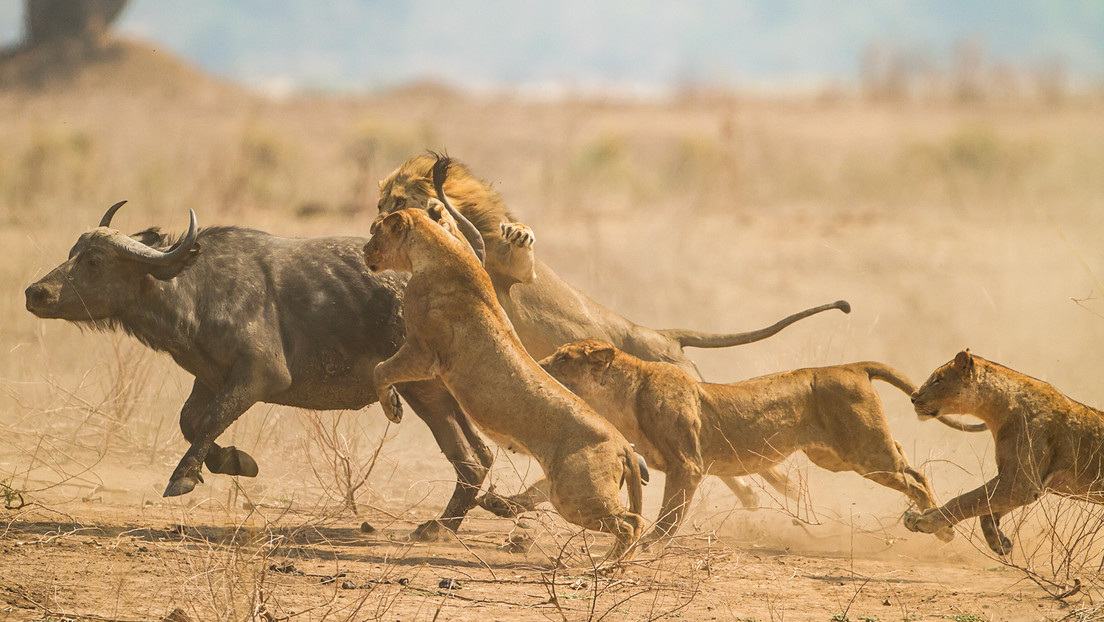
(435, 209)
(964, 360)
(395, 223)
(380, 184)
(601, 356)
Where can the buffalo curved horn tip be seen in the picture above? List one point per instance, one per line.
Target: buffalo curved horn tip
(106, 220)
(140, 251)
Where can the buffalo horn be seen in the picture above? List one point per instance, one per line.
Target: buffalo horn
(140, 251)
(106, 220)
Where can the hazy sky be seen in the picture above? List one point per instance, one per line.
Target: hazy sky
(365, 44)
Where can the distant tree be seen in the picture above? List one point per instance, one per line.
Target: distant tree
(51, 21)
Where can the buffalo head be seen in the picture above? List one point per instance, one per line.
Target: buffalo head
(106, 270)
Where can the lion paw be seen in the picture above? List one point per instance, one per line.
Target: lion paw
(911, 520)
(517, 234)
(392, 405)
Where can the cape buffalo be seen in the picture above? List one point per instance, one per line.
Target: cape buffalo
(255, 318)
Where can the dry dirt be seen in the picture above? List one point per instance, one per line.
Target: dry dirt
(946, 226)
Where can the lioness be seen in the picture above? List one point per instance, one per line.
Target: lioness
(687, 428)
(1044, 442)
(547, 311)
(457, 331)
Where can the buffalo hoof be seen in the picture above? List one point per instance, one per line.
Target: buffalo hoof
(429, 531)
(181, 486)
(231, 461)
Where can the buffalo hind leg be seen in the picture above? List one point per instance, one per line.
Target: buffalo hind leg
(462, 446)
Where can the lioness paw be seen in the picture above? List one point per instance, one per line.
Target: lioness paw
(392, 405)
(911, 518)
(517, 234)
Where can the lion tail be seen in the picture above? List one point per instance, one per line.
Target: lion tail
(698, 339)
(885, 373)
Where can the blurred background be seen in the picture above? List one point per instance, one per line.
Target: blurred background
(708, 165)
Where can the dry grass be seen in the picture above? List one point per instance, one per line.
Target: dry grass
(945, 225)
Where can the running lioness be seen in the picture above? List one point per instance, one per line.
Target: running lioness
(687, 428)
(1045, 442)
(457, 331)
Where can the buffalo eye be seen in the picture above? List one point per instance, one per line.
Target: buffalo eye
(93, 261)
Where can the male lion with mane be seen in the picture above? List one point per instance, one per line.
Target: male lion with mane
(545, 310)
(1044, 442)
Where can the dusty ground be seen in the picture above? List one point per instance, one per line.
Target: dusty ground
(110, 559)
(945, 226)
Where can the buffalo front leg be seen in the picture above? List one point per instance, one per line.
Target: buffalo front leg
(460, 443)
(225, 460)
(248, 383)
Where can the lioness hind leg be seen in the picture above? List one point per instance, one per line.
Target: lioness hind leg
(882, 460)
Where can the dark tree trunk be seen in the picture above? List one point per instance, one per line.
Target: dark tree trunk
(51, 21)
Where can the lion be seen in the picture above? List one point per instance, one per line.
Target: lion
(545, 310)
(688, 428)
(1044, 441)
(456, 331)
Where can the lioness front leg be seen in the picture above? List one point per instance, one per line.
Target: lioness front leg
(513, 255)
(998, 496)
(409, 364)
(678, 492)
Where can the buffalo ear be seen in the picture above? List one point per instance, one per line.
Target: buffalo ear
(169, 271)
(964, 361)
(149, 237)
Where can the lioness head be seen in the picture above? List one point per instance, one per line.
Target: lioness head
(581, 366)
(384, 250)
(951, 389)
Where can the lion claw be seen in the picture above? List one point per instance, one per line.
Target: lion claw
(392, 405)
(517, 234)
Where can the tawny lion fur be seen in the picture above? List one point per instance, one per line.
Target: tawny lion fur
(457, 331)
(687, 428)
(546, 311)
(1044, 440)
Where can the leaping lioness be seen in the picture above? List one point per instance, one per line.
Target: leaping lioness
(1044, 442)
(457, 331)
